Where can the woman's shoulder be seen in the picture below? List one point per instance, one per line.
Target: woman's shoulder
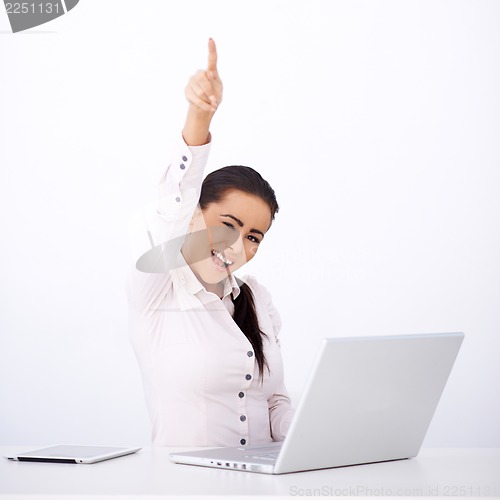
(269, 317)
(255, 285)
(260, 291)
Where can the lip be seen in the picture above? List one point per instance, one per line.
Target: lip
(218, 264)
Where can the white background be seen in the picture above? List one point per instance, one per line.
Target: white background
(378, 125)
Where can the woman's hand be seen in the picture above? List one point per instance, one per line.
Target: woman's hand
(204, 94)
(204, 89)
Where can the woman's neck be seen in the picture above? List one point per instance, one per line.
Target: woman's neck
(216, 288)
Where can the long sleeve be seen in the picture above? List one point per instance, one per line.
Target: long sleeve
(279, 403)
(158, 231)
(280, 408)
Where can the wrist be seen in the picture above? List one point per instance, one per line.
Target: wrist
(199, 114)
(197, 126)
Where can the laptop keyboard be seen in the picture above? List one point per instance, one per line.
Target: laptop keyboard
(266, 456)
(263, 453)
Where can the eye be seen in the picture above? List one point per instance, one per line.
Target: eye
(253, 239)
(228, 224)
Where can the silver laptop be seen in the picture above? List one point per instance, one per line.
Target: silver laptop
(368, 399)
(73, 454)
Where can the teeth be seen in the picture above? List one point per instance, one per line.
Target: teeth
(226, 261)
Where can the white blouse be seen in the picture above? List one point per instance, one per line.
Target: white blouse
(200, 375)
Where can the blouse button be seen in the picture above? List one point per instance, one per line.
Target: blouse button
(243, 418)
(249, 354)
(243, 441)
(248, 376)
(177, 199)
(241, 394)
(184, 158)
(182, 166)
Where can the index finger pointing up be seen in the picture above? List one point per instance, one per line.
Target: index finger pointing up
(212, 56)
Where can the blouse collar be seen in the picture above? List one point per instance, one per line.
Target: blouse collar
(191, 283)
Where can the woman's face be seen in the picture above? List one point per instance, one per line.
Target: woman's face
(225, 235)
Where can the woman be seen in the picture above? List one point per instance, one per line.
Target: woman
(207, 343)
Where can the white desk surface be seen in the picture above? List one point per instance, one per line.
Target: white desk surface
(446, 472)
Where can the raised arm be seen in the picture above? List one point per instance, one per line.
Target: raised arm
(204, 94)
(158, 231)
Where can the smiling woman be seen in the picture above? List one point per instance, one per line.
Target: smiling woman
(207, 342)
(229, 195)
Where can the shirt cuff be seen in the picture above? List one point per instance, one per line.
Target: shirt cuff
(199, 152)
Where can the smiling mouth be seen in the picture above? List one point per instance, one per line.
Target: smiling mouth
(224, 260)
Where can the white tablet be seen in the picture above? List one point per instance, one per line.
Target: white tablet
(73, 454)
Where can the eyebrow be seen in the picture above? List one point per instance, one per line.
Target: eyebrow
(240, 223)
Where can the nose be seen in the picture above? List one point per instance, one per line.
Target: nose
(237, 246)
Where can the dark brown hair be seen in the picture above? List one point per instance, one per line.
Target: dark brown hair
(213, 189)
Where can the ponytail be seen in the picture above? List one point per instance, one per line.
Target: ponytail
(214, 187)
(245, 316)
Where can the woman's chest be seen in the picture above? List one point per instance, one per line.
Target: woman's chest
(203, 350)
